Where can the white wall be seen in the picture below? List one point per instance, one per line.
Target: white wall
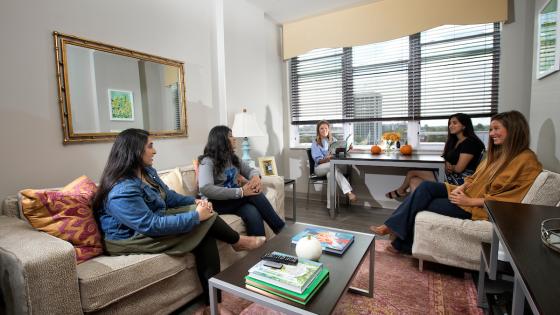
(545, 111)
(516, 59)
(31, 136)
(254, 78)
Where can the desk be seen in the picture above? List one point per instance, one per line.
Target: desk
(417, 161)
(536, 267)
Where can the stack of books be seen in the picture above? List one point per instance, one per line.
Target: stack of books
(331, 241)
(297, 283)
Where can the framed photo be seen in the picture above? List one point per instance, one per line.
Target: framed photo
(548, 52)
(267, 164)
(121, 105)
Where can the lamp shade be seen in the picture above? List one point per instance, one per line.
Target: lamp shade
(245, 125)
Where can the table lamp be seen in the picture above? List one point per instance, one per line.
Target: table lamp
(245, 125)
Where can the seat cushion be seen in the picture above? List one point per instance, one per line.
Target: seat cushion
(448, 240)
(106, 279)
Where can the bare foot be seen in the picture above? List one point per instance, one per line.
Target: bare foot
(248, 243)
(380, 230)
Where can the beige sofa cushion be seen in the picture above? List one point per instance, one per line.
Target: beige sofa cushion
(106, 279)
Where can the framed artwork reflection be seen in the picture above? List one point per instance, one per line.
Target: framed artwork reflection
(267, 165)
(121, 105)
(548, 52)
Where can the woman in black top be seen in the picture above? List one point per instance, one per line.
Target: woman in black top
(462, 153)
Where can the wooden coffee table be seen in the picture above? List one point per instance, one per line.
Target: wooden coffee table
(342, 270)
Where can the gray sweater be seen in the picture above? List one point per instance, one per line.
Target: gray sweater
(222, 186)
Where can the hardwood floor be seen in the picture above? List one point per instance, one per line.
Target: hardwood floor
(354, 217)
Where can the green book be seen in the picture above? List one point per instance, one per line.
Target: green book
(295, 278)
(301, 298)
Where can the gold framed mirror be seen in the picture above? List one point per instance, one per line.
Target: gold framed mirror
(104, 89)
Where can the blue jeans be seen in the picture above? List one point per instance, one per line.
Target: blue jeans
(252, 210)
(429, 196)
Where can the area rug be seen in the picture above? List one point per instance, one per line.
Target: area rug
(400, 288)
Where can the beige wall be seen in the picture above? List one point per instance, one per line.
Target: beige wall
(545, 112)
(31, 136)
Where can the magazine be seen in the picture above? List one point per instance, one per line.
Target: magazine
(295, 278)
(331, 241)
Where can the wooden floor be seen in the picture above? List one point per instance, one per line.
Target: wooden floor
(354, 217)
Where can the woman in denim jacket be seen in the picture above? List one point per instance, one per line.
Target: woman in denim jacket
(139, 214)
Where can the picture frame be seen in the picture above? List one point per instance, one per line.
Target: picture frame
(121, 105)
(548, 52)
(267, 166)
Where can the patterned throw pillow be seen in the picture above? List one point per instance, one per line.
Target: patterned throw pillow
(66, 214)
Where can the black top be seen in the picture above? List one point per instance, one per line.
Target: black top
(469, 146)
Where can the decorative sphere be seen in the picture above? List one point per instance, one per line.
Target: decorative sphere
(309, 248)
(406, 149)
(375, 149)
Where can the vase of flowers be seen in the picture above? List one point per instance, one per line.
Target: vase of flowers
(390, 139)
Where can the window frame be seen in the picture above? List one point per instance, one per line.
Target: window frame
(413, 125)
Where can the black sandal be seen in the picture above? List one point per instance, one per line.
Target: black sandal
(393, 194)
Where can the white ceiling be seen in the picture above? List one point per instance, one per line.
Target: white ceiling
(282, 11)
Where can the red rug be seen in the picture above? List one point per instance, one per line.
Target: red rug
(400, 288)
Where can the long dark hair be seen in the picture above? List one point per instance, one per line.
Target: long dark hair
(516, 141)
(219, 149)
(468, 132)
(124, 161)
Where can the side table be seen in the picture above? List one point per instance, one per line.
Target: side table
(288, 181)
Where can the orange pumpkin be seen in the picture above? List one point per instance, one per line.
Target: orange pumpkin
(406, 149)
(375, 149)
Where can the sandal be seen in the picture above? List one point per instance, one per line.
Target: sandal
(393, 194)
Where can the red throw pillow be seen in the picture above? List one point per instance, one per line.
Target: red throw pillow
(66, 214)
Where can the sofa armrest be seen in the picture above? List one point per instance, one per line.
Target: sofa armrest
(37, 271)
(276, 184)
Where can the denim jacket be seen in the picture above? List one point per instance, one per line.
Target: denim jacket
(133, 206)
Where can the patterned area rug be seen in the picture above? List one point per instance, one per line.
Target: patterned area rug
(400, 288)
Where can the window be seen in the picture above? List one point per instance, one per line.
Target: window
(409, 85)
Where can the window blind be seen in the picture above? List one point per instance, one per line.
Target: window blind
(427, 75)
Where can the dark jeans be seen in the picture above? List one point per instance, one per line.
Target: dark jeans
(206, 254)
(429, 196)
(252, 210)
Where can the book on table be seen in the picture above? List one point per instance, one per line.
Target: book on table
(295, 278)
(332, 241)
(276, 291)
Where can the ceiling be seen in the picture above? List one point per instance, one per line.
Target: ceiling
(282, 11)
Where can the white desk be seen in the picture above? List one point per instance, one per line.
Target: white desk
(417, 161)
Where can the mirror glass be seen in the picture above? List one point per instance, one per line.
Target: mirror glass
(105, 89)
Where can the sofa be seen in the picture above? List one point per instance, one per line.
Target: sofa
(39, 274)
(457, 242)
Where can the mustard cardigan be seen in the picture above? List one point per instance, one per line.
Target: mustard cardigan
(510, 185)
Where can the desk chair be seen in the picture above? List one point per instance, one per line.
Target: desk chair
(314, 179)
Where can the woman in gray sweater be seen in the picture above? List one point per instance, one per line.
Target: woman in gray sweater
(218, 181)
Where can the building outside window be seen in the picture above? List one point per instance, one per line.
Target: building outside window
(409, 85)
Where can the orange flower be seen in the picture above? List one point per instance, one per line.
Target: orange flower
(391, 136)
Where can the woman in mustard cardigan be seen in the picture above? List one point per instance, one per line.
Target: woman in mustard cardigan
(506, 174)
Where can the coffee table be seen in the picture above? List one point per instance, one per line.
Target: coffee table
(342, 270)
